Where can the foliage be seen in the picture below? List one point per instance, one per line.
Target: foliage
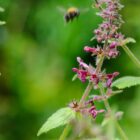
(37, 52)
(59, 118)
(2, 22)
(108, 39)
(126, 82)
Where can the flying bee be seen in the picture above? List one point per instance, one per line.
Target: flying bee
(71, 14)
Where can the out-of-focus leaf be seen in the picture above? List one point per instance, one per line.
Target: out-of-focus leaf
(1, 9)
(2, 22)
(59, 118)
(126, 82)
(117, 139)
(128, 40)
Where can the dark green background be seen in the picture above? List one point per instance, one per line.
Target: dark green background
(37, 53)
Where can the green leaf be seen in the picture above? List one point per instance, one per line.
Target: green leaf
(130, 40)
(59, 118)
(92, 38)
(74, 77)
(125, 82)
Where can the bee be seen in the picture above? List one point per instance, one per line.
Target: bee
(71, 14)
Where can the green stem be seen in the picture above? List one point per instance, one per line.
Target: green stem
(120, 130)
(106, 103)
(131, 55)
(65, 132)
(108, 108)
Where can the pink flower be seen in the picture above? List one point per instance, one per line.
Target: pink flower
(82, 74)
(95, 79)
(89, 102)
(113, 53)
(97, 31)
(89, 49)
(93, 112)
(110, 78)
(113, 45)
(81, 63)
(94, 51)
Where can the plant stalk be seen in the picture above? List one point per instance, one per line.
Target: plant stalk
(99, 65)
(65, 132)
(108, 108)
(86, 93)
(66, 129)
(106, 103)
(120, 130)
(131, 56)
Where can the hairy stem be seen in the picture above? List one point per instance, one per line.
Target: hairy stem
(131, 55)
(65, 132)
(99, 65)
(86, 93)
(106, 103)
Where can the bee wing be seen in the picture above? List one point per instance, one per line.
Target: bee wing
(61, 9)
(84, 10)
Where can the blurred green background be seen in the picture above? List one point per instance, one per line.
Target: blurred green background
(37, 53)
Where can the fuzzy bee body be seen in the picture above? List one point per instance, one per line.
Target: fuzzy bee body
(71, 14)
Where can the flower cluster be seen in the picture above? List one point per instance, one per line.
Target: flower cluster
(92, 110)
(107, 32)
(88, 72)
(109, 39)
(88, 109)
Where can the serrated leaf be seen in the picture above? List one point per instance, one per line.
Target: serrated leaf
(126, 82)
(59, 118)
